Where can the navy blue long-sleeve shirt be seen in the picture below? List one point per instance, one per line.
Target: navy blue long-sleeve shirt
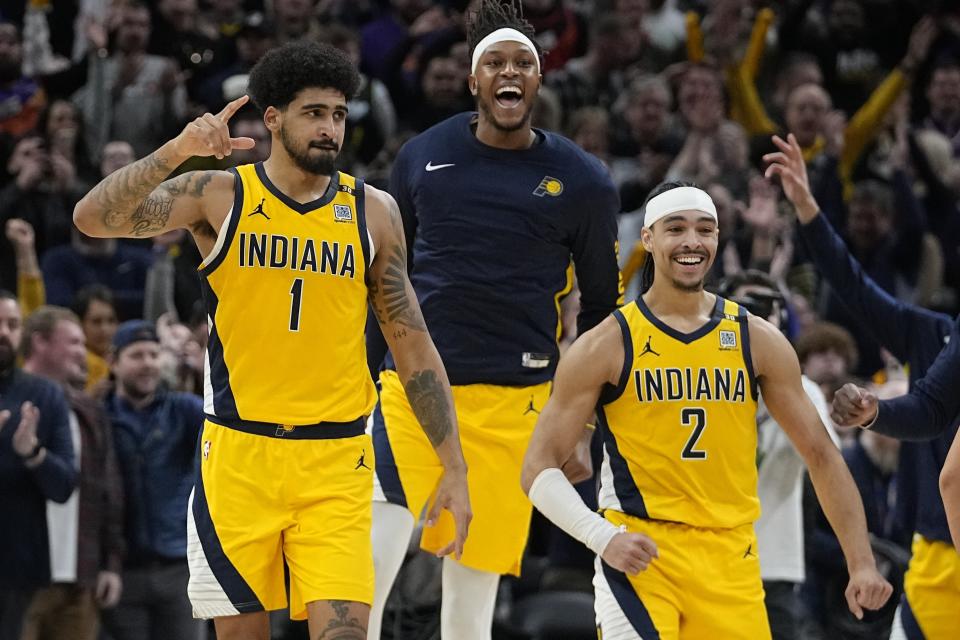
(914, 335)
(493, 233)
(24, 552)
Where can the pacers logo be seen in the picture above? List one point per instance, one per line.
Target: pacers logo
(548, 187)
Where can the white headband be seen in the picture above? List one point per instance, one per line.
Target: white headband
(678, 199)
(502, 35)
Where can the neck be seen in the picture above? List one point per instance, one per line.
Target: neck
(663, 298)
(302, 186)
(38, 368)
(491, 136)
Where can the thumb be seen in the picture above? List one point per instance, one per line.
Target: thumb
(242, 143)
(852, 603)
(434, 512)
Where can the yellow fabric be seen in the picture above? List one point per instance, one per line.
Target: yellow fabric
(683, 432)
(866, 122)
(932, 587)
(495, 427)
(746, 108)
(97, 370)
(705, 584)
(634, 263)
(291, 338)
(306, 502)
(695, 52)
(31, 293)
(758, 42)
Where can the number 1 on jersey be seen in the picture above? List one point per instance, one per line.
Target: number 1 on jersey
(296, 293)
(697, 418)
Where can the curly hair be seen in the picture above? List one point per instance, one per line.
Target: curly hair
(285, 71)
(497, 14)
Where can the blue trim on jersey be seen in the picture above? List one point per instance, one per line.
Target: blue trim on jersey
(686, 338)
(359, 197)
(387, 471)
(911, 628)
(235, 213)
(743, 320)
(611, 393)
(224, 402)
(630, 603)
(300, 207)
(241, 595)
(631, 500)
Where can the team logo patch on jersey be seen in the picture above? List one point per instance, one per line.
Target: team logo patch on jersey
(548, 187)
(728, 339)
(342, 213)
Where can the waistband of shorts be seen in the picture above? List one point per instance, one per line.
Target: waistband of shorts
(318, 431)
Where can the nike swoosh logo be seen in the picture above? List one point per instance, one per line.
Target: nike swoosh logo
(433, 167)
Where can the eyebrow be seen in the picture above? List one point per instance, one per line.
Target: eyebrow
(523, 49)
(324, 105)
(679, 218)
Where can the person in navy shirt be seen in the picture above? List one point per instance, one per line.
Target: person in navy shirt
(499, 217)
(916, 336)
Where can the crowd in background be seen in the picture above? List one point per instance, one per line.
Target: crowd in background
(656, 89)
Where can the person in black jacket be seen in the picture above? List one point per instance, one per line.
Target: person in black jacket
(36, 465)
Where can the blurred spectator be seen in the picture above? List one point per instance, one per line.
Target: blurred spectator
(382, 38)
(371, 119)
(827, 354)
(21, 98)
(295, 19)
(63, 130)
(172, 285)
(30, 290)
(943, 97)
(86, 532)
(131, 95)
(156, 433)
(442, 93)
(798, 69)
(589, 128)
(248, 123)
(98, 318)
(664, 26)
(226, 16)
(254, 37)
(181, 356)
(36, 465)
(180, 33)
(43, 192)
(85, 261)
(561, 32)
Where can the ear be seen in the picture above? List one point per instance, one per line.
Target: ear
(646, 237)
(472, 84)
(272, 119)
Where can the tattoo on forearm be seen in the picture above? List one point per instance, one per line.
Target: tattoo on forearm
(428, 398)
(133, 199)
(343, 626)
(389, 296)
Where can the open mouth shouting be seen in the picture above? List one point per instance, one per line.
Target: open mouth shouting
(509, 96)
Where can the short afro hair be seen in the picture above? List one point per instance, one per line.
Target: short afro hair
(499, 14)
(284, 72)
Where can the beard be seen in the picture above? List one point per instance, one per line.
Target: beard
(487, 111)
(8, 355)
(687, 288)
(321, 165)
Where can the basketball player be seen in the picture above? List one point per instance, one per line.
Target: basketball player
(931, 586)
(677, 553)
(495, 210)
(294, 251)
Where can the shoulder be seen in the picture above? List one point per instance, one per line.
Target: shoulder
(588, 170)
(769, 348)
(185, 402)
(381, 210)
(437, 137)
(41, 390)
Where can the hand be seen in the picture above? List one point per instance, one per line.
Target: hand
(834, 130)
(761, 214)
(782, 257)
(867, 589)
(452, 495)
(579, 466)
(853, 406)
(208, 135)
(20, 234)
(789, 165)
(922, 36)
(630, 552)
(64, 172)
(25, 437)
(109, 588)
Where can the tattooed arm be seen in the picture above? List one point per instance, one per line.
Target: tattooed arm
(395, 306)
(137, 200)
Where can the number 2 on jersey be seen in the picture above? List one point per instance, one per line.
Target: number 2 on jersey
(296, 293)
(697, 418)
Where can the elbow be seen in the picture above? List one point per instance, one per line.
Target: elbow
(64, 489)
(84, 219)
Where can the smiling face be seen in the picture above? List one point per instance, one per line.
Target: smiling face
(505, 84)
(683, 246)
(310, 128)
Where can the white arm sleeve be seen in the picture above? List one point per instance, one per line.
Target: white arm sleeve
(556, 498)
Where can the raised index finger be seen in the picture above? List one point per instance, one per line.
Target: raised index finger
(232, 108)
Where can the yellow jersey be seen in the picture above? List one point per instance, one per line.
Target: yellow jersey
(286, 297)
(679, 430)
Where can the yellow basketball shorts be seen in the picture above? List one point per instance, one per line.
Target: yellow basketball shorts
(928, 610)
(495, 425)
(266, 497)
(705, 584)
